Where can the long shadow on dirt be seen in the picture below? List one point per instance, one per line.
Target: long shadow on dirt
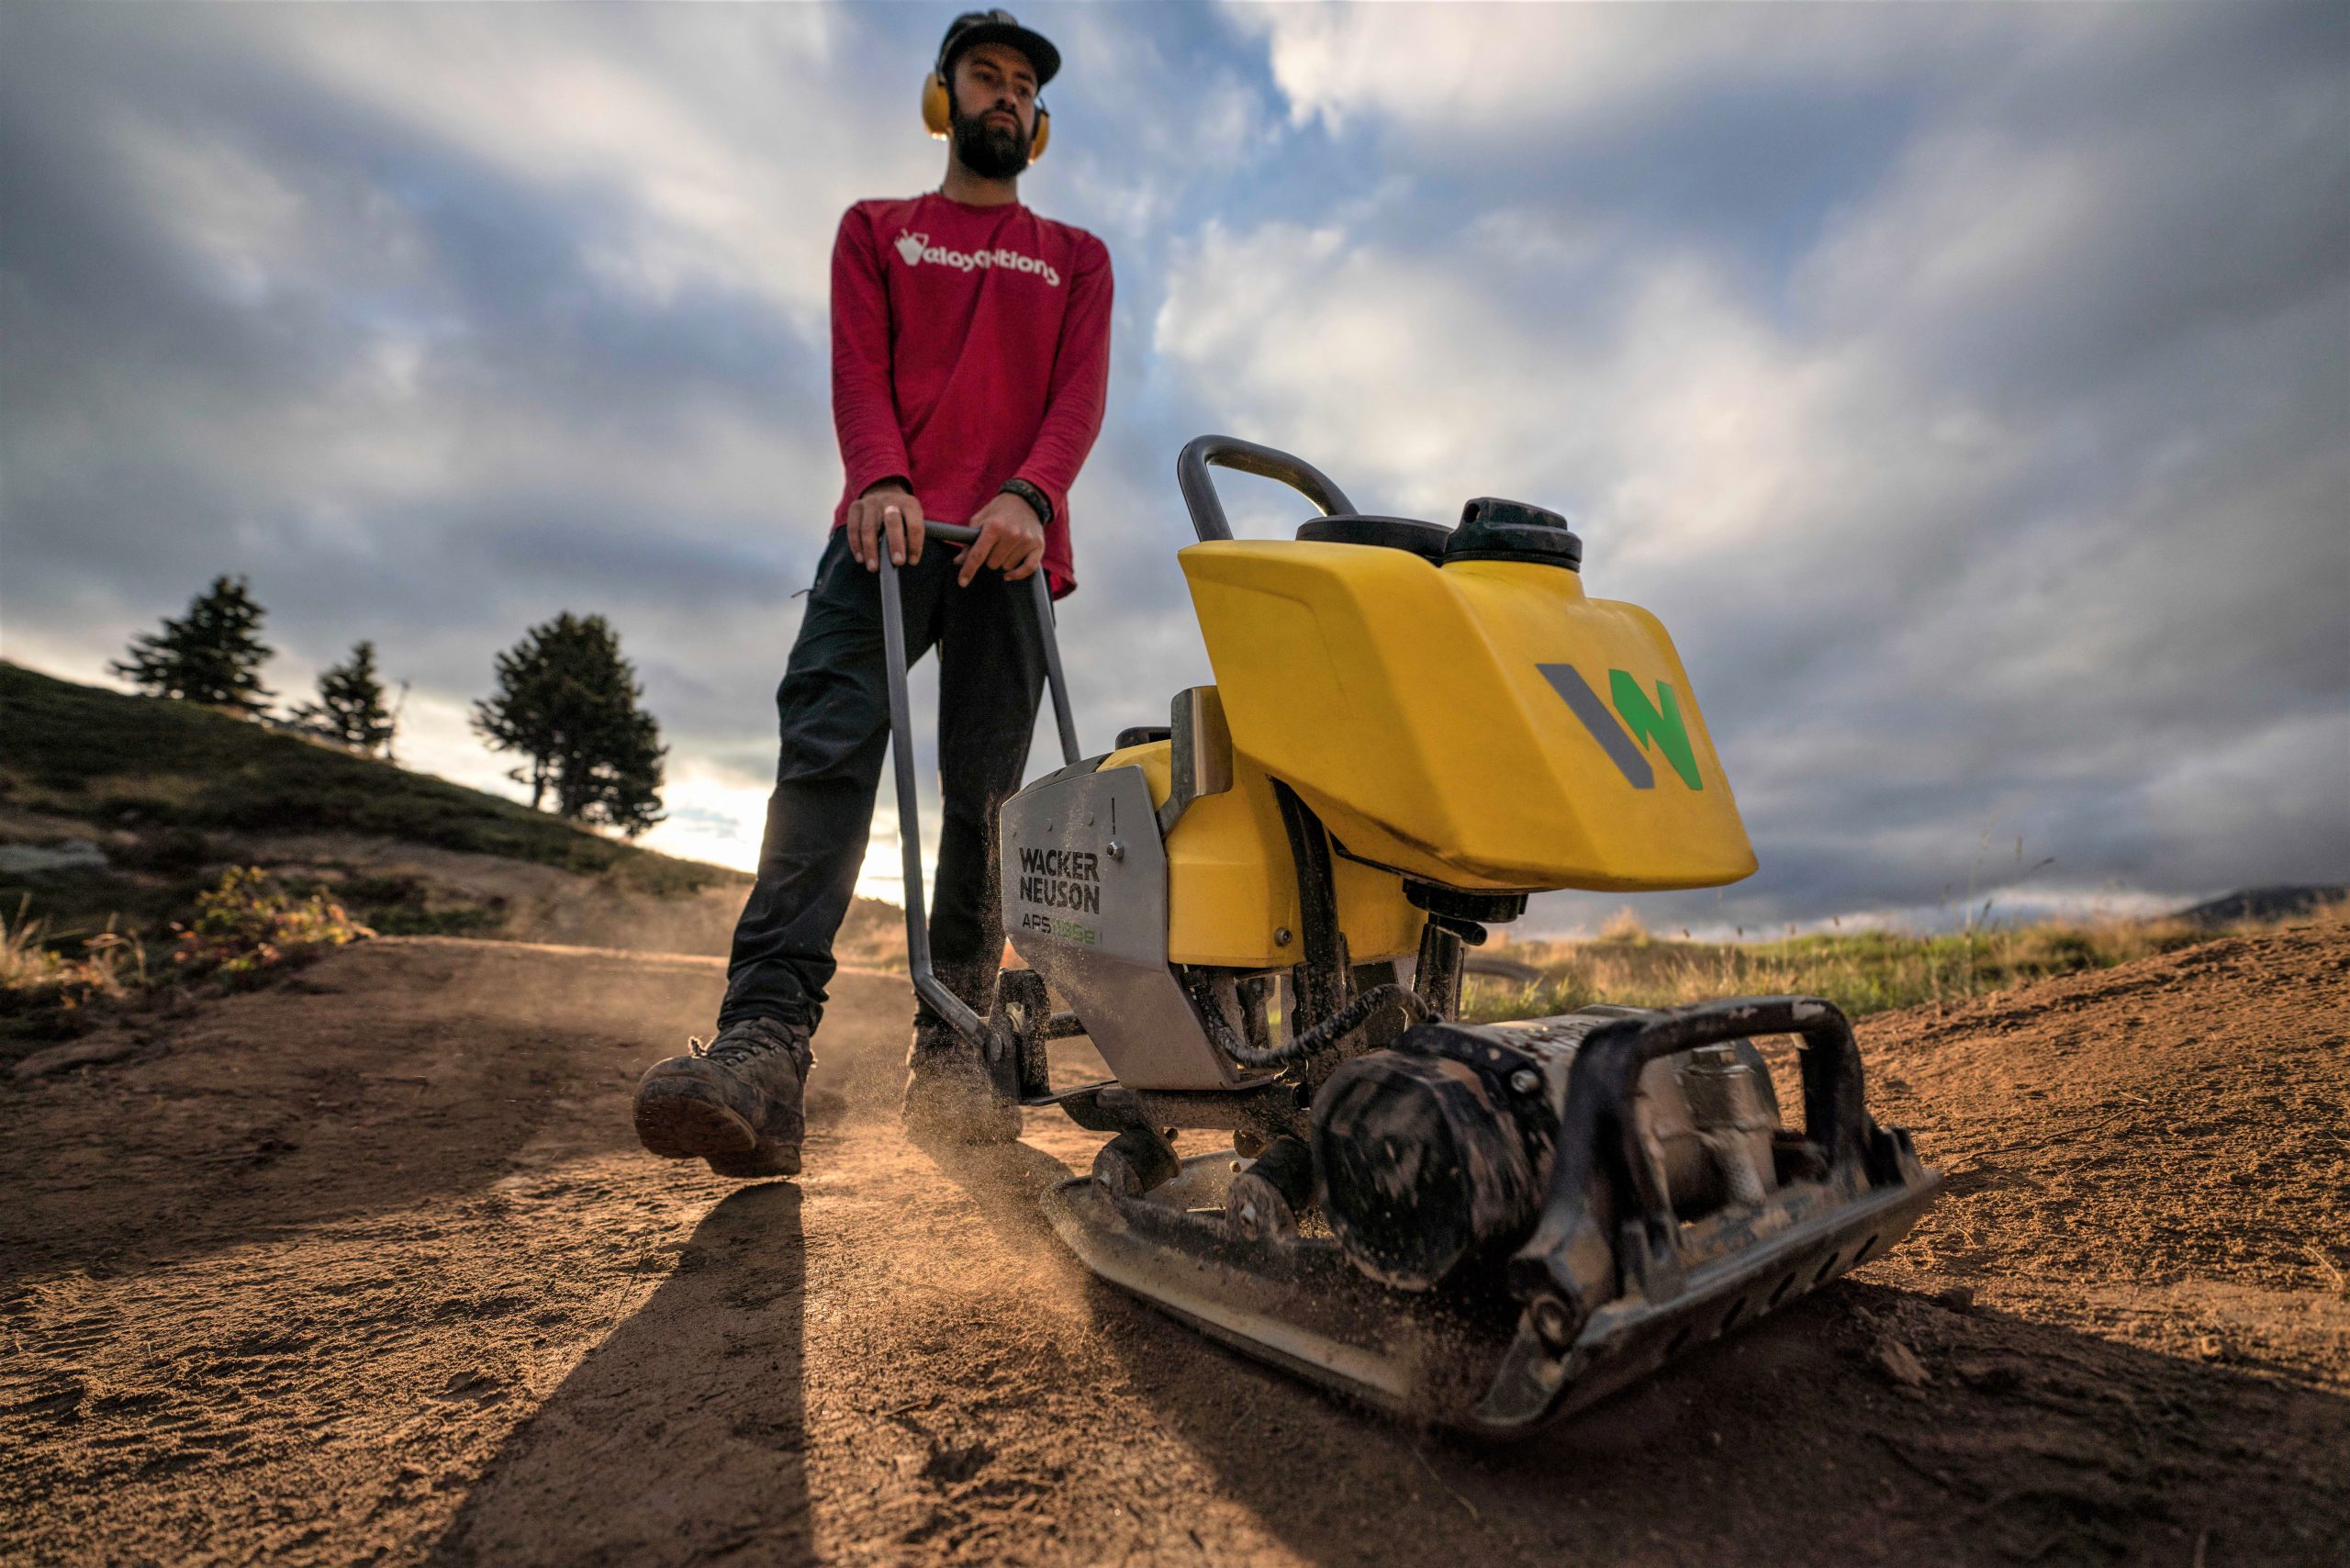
(389, 1075)
(1792, 1443)
(681, 1437)
(374, 1081)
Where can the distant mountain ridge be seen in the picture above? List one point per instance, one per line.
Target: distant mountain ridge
(2263, 903)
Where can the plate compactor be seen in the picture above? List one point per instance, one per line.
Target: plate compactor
(1258, 915)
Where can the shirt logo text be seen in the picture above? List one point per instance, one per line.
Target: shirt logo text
(915, 249)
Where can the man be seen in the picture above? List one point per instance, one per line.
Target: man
(970, 352)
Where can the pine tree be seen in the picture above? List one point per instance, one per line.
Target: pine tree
(350, 710)
(213, 655)
(567, 700)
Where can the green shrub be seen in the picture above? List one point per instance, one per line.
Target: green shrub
(399, 904)
(249, 924)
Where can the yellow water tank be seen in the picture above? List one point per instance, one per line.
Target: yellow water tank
(1481, 724)
(1232, 882)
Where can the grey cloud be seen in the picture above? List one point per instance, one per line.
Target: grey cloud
(2024, 464)
(419, 414)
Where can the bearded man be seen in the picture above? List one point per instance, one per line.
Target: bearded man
(971, 355)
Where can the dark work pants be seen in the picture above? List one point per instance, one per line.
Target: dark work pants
(835, 706)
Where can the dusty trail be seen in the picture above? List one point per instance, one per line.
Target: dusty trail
(366, 1268)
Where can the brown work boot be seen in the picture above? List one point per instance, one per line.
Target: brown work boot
(735, 1101)
(950, 1099)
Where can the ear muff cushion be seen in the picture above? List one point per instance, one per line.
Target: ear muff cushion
(936, 119)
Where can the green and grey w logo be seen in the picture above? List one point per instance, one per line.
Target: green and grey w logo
(1653, 726)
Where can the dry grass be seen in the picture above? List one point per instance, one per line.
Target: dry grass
(1869, 971)
(34, 975)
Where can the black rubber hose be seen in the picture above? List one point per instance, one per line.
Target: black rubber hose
(1329, 1032)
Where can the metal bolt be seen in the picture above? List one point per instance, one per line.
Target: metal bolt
(1552, 1321)
(1281, 936)
(1526, 1081)
(1117, 851)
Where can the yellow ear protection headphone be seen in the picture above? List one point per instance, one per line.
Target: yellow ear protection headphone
(937, 102)
(938, 117)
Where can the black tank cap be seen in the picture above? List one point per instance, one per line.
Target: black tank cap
(1425, 539)
(1493, 529)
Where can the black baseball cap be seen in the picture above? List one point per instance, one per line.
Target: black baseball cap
(974, 28)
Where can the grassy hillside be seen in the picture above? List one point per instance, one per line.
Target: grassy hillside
(120, 817)
(118, 761)
(1862, 972)
(115, 812)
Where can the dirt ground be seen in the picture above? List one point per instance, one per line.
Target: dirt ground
(367, 1267)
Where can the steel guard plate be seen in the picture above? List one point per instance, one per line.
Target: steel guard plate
(1084, 879)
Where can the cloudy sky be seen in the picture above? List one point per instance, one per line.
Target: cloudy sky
(1968, 388)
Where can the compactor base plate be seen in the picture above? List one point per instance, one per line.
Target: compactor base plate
(1430, 1357)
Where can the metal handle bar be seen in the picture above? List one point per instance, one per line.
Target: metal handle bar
(1230, 451)
(948, 1005)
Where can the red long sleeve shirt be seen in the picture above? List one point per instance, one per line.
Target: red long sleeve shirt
(971, 345)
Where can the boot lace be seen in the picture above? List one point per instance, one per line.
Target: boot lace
(747, 1042)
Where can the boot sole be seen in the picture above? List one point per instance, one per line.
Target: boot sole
(679, 1124)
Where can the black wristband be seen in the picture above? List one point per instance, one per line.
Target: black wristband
(1037, 498)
